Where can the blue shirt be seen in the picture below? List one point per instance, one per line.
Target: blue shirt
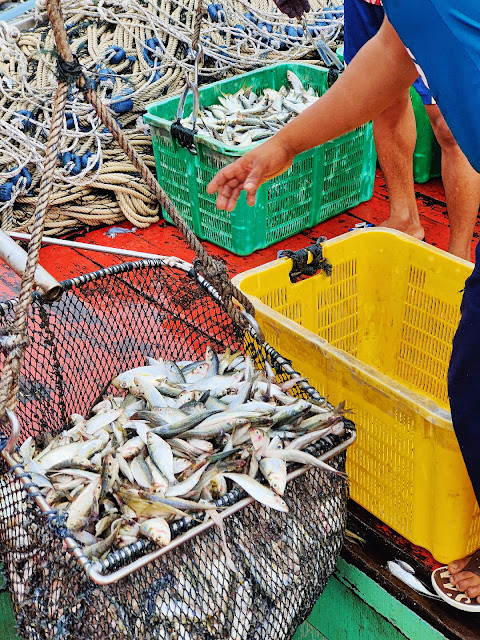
(444, 38)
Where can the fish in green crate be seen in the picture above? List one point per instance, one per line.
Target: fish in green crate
(245, 117)
(173, 438)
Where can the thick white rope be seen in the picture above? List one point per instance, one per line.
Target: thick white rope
(152, 40)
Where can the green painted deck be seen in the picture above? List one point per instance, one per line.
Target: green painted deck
(354, 607)
(7, 619)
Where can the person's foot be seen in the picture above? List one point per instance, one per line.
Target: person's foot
(414, 230)
(465, 580)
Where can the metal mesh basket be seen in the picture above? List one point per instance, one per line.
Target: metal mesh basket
(104, 323)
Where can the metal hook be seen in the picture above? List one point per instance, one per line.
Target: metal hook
(15, 434)
(328, 56)
(193, 86)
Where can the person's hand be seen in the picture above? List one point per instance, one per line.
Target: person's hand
(263, 163)
(293, 8)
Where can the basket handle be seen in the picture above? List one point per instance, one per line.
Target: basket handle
(301, 266)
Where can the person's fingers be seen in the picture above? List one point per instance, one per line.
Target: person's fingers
(233, 199)
(251, 197)
(234, 182)
(232, 172)
(254, 178)
(466, 580)
(473, 592)
(226, 191)
(223, 198)
(227, 199)
(216, 182)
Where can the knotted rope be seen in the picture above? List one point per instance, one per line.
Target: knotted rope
(197, 25)
(9, 382)
(215, 272)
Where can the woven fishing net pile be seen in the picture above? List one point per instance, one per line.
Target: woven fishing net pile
(135, 52)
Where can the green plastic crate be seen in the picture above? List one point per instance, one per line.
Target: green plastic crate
(321, 182)
(427, 155)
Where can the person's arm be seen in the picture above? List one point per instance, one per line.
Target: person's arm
(374, 79)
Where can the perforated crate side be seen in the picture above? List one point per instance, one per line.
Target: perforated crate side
(377, 334)
(349, 172)
(172, 174)
(216, 225)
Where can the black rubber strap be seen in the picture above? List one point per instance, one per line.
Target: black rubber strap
(184, 136)
(301, 267)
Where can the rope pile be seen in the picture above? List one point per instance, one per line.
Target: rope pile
(134, 52)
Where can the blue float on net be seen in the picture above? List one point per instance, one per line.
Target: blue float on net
(151, 56)
(106, 75)
(115, 54)
(121, 106)
(238, 31)
(66, 158)
(6, 191)
(212, 12)
(85, 158)
(25, 121)
(77, 165)
(220, 13)
(24, 173)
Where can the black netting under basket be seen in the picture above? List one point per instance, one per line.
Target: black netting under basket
(105, 323)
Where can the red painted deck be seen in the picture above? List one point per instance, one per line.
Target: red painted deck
(165, 239)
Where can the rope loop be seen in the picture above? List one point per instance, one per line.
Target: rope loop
(197, 26)
(69, 72)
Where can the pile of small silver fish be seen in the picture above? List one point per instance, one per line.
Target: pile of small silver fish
(244, 117)
(178, 436)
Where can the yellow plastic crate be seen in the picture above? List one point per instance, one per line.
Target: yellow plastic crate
(378, 334)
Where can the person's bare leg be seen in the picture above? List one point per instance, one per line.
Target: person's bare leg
(462, 187)
(395, 135)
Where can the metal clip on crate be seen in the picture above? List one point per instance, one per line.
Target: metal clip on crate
(302, 266)
(184, 136)
(329, 57)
